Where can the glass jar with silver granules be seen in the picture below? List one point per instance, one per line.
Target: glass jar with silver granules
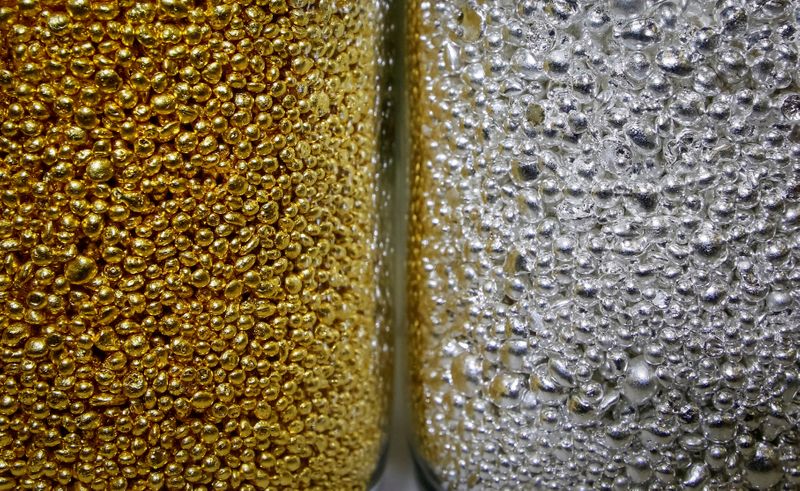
(604, 243)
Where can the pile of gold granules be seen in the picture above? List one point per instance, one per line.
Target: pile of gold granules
(187, 237)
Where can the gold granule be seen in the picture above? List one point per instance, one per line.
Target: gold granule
(188, 261)
(80, 270)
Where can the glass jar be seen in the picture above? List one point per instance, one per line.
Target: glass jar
(604, 244)
(192, 278)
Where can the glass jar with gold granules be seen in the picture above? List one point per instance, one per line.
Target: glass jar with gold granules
(191, 248)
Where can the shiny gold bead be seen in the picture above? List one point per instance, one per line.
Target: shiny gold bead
(202, 400)
(164, 104)
(58, 23)
(86, 117)
(100, 170)
(134, 385)
(108, 80)
(79, 9)
(80, 270)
